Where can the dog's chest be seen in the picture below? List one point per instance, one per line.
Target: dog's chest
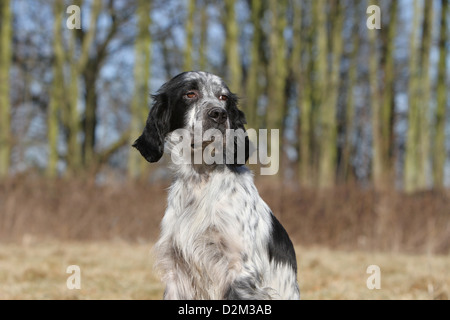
(204, 218)
(217, 227)
(210, 233)
(222, 208)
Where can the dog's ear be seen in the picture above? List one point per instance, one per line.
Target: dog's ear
(238, 121)
(151, 142)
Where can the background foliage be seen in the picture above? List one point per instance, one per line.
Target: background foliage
(352, 104)
(363, 114)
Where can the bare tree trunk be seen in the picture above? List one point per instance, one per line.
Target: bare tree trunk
(303, 96)
(203, 61)
(439, 148)
(376, 101)
(57, 92)
(253, 89)
(425, 96)
(188, 63)
(348, 148)
(5, 103)
(232, 47)
(321, 86)
(277, 69)
(302, 67)
(411, 167)
(77, 67)
(328, 109)
(388, 99)
(417, 149)
(277, 74)
(90, 75)
(139, 104)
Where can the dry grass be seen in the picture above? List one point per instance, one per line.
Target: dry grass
(123, 270)
(47, 225)
(331, 274)
(114, 270)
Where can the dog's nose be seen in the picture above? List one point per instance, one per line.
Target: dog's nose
(218, 115)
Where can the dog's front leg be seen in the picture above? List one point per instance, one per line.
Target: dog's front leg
(247, 288)
(172, 292)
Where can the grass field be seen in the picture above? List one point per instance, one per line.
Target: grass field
(48, 225)
(123, 270)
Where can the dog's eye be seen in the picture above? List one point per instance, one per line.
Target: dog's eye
(191, 95)
(223, 97)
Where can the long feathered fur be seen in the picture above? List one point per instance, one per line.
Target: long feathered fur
(219, 239)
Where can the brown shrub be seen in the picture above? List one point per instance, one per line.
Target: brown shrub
(351, 217)
(79, 209)
(345, 217)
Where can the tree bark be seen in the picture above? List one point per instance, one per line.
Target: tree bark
(425, 96)
(77, 67)
(388, 99)
(253, 89)
(376, 102)
(417, 149)
(348, 148)
(277, 74)
(330, 90)
(57, 92)
(5, 103)
(232, 53)
(139, 104)
(188, 63)
(203, 60)
(410, 168)
(439, 148)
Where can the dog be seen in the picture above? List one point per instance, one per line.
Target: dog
(219, 239)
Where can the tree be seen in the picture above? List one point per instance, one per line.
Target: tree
(232, 54)
(382, 98)
(203, 61)
(139, 104)
(418, 135)
(388, 96)
(377, 161)
(330, 77)
(253, 89)
(303, 69)
(188, 64)
(57, 91)
(411, 165)
(424, 95)
(349, 109)
(91, 74)
(303, 95)
(5, 103)
(77, 67)
(439, 148)
(277, 71)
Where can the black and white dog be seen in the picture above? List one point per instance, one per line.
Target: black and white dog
(219, 239)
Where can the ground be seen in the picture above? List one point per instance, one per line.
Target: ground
(123, 270)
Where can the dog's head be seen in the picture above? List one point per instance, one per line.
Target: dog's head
(189, 99)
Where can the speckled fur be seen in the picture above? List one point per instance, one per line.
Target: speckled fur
(217, 231)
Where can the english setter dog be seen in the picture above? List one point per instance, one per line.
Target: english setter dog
(219, 239)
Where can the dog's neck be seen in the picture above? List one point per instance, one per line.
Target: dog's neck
(202, 173)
